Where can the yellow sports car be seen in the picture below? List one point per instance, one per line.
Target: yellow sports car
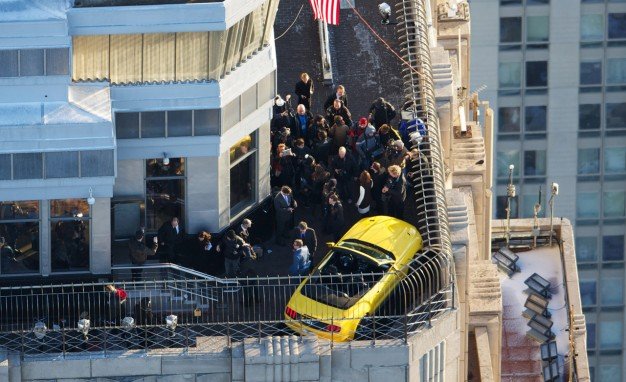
(354, 279)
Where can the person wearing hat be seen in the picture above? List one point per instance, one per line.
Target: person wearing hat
(357, 132)
(396, 154)
(368, 146)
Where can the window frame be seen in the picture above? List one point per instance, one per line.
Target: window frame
(37, 220)
(51, 223)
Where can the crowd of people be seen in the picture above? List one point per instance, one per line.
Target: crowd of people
(327, 163)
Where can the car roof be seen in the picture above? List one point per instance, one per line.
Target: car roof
(383, 231)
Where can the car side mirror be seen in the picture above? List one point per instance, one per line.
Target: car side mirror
(330, 243)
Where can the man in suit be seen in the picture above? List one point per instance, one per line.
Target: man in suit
(171, 236)
(139, 252)
(301, 259)
(284, 205)
(340, 94)
(308, 237)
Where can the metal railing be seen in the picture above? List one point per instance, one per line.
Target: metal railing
(60, 320)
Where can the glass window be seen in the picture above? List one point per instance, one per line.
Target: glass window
(127, 125)
(510, 29)
(611, 291)
(535, 163)
(588, 161)
(5, 166)
(613, 248)
(242, 181)
(19, 237)
(537, 28)
(97, 163)
(529, 202)
(242, 147)
(506, 158)
(610, 373)
(616, 115)
(153, 124)
(57, 61)
(613, 204)
(206, 122)
(31, 62)
(617, 25)
(165, 191)
(156, 168)
(231, 114)
(615, 160)
(591, 73)
(591, 335)
(509, 119)
(592, 27)
(8, 63)
(69, 235)
(62, 164)
(610, 335)
(587, 205)
(589, 117)
(535, 118)
(586, 249)
(588, 292)
(501, 203)
(27, 166)
(179, 123)
(509, 74)
(616, 71)
(536, 73)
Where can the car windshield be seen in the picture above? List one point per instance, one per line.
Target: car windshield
(377, 253)
(343, 278)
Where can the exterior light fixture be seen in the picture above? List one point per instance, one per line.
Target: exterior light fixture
(385, 12)
(83, 326)
(510, 194)
(554, 192)
(91, 200)
(40, 330)
(171, 322)
(166, 160)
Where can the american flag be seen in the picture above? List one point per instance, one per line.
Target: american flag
(327, 10)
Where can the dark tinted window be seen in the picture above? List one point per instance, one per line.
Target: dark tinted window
(590, 73)
(616, 115)
(537, 73)
(589, 117)
(62, 164)
(535, 118)
(57, 61)
(153, 124)
(5, 166)
(8, 63)
(27, 166)
(510, 29)
(31, 62)
(509, 119)
(97, 163)
(613, 248)
(127, 125)
(617, 25)
(206, 122)
(179, 123)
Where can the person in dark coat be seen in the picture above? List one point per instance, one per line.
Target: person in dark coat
(304, 90)
(284, 166)
(233, 248)
(171, 236)
(139, 252)
(339, 94)
(379, 177)
(307, 235)
(284, 206)
(303, 125)
(321, 123)
(339, 133)
(387, 135)
(206, 258)
(336, 109)
(364, 201)
(382, 112)
(343, 169)
(395, 191)
(335, 222)
(319, 177)
(280, 114)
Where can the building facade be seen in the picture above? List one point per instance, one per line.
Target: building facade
(555, 73)
(110, 124)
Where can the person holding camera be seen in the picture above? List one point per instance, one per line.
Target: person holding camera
(139, 252)
(283, 166)
(394, 192)
(396, 154)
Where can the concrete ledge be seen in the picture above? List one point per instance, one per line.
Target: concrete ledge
(210, 363)
(384, 353)
(121, 367)
(46, 370)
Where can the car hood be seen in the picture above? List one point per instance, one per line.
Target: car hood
(386, 232)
